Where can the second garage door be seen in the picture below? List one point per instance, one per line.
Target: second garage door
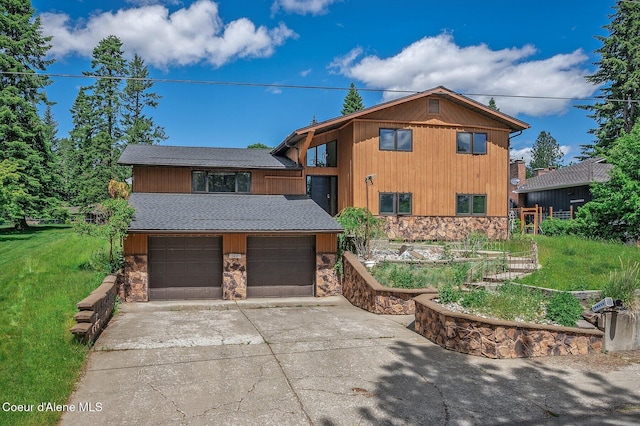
(185, 268)
(280, 266)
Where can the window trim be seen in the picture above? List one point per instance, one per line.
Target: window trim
(472, 150)
(208, 173)
(395, 139)
(433, 106)
(396, 204)
(471, 197)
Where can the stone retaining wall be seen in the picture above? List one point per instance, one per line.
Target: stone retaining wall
(448, 228)
(96, 310)
(491, 338)
(327, 280)
(364, 291)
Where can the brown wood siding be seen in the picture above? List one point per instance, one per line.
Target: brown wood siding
(135, 244)
(326, 243)
(433, 172)
(161, 179)
(345, 167)
(277, 182)
(234, 243)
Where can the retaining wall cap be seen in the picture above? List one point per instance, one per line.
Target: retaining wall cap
(84, 316)
(426, 300)
(81, 328)
(105, 288)
(88, 303)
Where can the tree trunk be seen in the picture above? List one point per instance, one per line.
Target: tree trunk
(22, 224)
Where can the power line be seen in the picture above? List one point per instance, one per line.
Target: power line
(307, 87)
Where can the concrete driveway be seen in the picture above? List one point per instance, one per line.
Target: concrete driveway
(325, 362)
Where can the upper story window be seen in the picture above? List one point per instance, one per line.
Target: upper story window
(396, 140)
(395, 203)
(323, 155)
(471, 204)
(471, 143)
(434, 106)
(202, 181)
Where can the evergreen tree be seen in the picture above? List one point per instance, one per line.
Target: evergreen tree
(314, 121)
(352, 102)
(492, 105)
(614, 211)
(545, 152)
(136, 97)
(25, 153)
(98, 135)
(619, 72)
(258, 145)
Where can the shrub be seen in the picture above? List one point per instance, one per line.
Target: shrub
(564, 309)
(355, 221)
(554, 227)
(449, 294)
(623, 284)
(475, 298)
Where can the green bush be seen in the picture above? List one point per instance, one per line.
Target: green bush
(475, 298)
(623, 284)
(449, 294)
(564, 309)
(554, 227)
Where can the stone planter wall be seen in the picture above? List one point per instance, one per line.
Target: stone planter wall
(448, 228)
(365, 292)
(96, 310)
(491, 338)
(621, 331)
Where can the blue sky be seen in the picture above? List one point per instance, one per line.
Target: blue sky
(528, 50)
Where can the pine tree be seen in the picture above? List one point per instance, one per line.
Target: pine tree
(24, 150)
(492, 105)
(545, 152)
(352, 102)
(138, 127)
(619, 71)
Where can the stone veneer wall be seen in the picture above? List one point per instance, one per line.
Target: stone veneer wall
(364, 291)
(490, 338)
(135, 285)
(234, 277)
(417, 228)
(327, 280)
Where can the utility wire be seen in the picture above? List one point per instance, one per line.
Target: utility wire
(295, 86)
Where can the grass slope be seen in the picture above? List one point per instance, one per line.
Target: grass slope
(41, 280)
(571, 263)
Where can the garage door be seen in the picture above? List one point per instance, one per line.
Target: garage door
(185, 268)
(280, 266)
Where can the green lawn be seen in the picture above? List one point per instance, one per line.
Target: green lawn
(571, 263)
(42, 277)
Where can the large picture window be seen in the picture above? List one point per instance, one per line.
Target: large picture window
(325, 155)
(202, 181)
(396, 140)
(399, 203)
(471, 143)
(471, 204)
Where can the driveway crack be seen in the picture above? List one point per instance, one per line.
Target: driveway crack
(184, 415)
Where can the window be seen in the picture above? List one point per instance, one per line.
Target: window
(471, 204)
(220, 181)
(323, 155)
(395, 203)
(434, 106)
(471, 143)
(396, 139)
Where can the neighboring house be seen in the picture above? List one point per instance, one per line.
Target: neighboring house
(224, 223)
(236, 223)
(439, 164)
(563, 189)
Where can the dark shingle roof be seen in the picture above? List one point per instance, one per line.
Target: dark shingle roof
(229, 213)
(232, 158)
(593, 170)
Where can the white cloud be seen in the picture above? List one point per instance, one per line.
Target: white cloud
(184, 37)
(302, 7)
(438, 61)
(526, 154)
(305, 73)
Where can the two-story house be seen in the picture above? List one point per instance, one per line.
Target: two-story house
(233, 223)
